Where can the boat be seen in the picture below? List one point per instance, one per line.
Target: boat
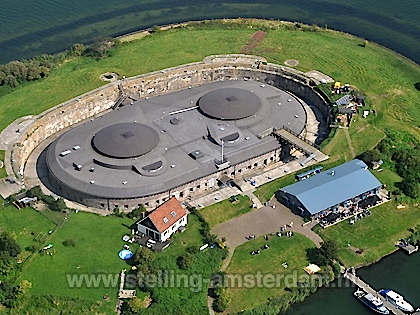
(373, 302)
(397, 300)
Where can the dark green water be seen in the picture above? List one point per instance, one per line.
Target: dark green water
(398, 272)
(29, 27)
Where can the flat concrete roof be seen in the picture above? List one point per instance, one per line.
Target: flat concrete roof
(169, 163)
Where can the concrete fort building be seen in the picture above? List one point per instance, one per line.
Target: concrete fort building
(180, 141)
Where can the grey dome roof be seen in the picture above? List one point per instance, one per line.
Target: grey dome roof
(229, 103)
(125, 140)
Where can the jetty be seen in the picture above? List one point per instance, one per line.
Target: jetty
(410, 248)
(365, 286)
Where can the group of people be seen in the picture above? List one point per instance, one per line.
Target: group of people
(288, 234)
(257, 251)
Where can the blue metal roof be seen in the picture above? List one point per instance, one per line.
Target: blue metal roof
(334, 186)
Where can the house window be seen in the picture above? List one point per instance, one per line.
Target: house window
(102, 205)
(256, 164)
(146, 204)
(181, 194)
(126, 206)
(198, 186)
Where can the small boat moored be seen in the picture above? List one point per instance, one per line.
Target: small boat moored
(373, 302)
(397, 300)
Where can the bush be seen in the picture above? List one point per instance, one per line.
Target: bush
(194, 249)
(32, 248)
(69, 243)
(185, 261)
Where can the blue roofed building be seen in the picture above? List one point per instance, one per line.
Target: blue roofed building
(340, 191)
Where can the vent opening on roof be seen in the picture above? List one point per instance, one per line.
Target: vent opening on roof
(64, 153)
(165, 219)
(127, 134)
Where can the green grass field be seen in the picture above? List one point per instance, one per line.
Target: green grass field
(26, 224)
(98, 241)
(282, 249)
(225, 210)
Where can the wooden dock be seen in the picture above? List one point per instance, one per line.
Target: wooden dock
(363, 285)
(410, 248)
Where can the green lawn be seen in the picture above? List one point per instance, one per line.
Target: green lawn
(285, 249)
(98, 241)
(374, 234)
(225, 210)
(3, 169)
(25, 224)
(266, 191)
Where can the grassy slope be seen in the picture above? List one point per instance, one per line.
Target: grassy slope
(82, 75)
(285, 249)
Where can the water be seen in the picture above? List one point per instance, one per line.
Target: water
(397, 271)
(32, 27)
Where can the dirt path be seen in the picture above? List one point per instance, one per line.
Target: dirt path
(255, 40)
(346, 132)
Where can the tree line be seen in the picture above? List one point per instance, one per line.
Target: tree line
(10, 294)
(16, 73)
(401, 153)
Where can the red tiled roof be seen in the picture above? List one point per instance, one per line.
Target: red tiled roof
(167, 210)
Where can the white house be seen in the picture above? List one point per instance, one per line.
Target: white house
(163, 221)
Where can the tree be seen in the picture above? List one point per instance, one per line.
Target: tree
(7, 264)
(135, 304)
(77, 50)
(9, 245)
(326, 253)
(58, 205)
(410, 187)
(137, 212)
(36, 191)
(100, 47)
(11, 80)
(143, 255)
